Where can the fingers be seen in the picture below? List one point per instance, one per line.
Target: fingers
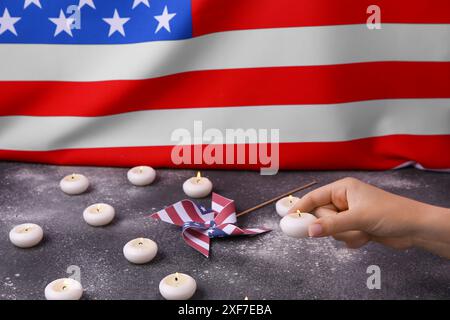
(334, 224)
(353, 239)
(325, 211)
(334, 193)
(314, 199)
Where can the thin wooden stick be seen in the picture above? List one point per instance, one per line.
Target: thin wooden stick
(276, 198)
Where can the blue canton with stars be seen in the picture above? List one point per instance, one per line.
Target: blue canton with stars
(94, 21)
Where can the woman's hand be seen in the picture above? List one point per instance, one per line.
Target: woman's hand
(356, 213)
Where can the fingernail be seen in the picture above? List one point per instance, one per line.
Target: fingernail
(315, 230)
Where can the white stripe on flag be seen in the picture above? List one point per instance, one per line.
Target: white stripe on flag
(313, 123)
(216, 207)
(208, 217)
(201, 243)
(230, 219)
(301, 46)
(255, 230)
(181, 212)
(229, 229)
(164, 216)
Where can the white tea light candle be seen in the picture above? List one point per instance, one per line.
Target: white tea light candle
(177, 286)
(74, 184)
(140, 250)
(285, 204)
(197, 187)
(26, 235)
(99, 214)
(64, 289)
(296, 224)
(141, 176)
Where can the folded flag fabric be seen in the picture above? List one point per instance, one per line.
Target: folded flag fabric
(200, 224)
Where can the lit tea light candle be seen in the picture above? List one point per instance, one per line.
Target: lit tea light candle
(99, 214)
(177, 286)
(141, 176)
(296, 224)
(140, 250)
(197, 187)
(74, 184)
(285, 204)
(26, 235)
(64, 289)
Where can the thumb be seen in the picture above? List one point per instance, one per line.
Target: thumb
(332, 224)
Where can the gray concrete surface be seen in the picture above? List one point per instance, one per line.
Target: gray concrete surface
(269, 266)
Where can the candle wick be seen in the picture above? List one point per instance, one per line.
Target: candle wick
(290, 199)
(176, 279)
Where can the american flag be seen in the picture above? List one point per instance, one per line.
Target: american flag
(107, 84)
(199, 224)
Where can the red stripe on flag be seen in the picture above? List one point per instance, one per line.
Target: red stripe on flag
(174, 216)
(224, 15)
(190, 210)
(224, 214)
(220, 200)
(235, 87)
(196, 246)
(376, 153)
(237, 231)
(199, 235)
(157, 215)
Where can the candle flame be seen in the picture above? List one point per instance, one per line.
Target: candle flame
(299, 213)
(246, 298)
(141, 169)
(72, 176)
(199, 176)
(177, 275)
(290, 198)
(98, 207)
(141, 241)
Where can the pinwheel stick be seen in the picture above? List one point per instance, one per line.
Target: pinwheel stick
(276, 198)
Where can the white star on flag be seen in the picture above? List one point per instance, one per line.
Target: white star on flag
(62, 24)
(90, 3)
(164, 19)
(35, 2)
(116, 23)
(138, 2)
(7, 22)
